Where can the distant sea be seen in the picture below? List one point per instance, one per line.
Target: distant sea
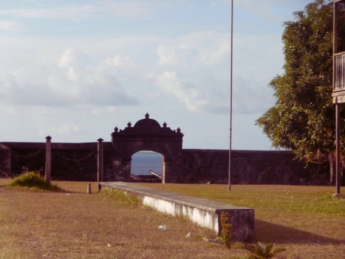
(142, 162)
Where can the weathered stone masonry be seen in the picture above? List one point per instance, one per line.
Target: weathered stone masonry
(70, 161)
(249, 167)
(78, 161)
(146, 134)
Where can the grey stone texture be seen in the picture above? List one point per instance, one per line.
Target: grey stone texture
(241, 218)
(69, 161)
(249, 167)
(146, 134)
(78, 161)
(5, 161)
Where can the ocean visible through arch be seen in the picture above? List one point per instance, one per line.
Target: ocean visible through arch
(144, 161)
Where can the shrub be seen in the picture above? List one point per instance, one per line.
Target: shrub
(120, 196)
(33, 181)
(261, 252)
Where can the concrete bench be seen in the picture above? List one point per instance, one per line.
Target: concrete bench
(203, 212)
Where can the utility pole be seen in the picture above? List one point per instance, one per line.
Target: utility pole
(338, 80)
(231, 63)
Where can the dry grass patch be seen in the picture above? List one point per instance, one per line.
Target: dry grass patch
(79, 225)
(306, 220)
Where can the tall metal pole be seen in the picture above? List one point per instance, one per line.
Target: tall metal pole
(337, 148)
(337, 105)
(231, 62)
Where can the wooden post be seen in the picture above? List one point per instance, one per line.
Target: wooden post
(88, 190)
(99, 162)
(48, 159)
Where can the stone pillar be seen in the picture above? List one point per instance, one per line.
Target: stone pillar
(166, 177)
(100, 162)
(128, 170)
(5, 160)
(124, 174)
(48, 159)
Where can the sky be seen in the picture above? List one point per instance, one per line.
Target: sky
(76, 69)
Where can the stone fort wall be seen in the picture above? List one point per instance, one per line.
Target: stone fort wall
(250, 167)
(78, 162)
(69, 161)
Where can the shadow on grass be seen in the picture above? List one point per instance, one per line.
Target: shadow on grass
(272, 233)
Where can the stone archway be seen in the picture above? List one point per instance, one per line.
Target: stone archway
(146, 134)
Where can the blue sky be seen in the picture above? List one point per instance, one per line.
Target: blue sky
(76, 69)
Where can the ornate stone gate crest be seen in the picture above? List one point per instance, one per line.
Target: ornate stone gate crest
(146, 134)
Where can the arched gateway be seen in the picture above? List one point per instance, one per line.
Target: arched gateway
(146, 134)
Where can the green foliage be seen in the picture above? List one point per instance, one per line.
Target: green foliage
(33, 181)
(225, 234)
(261, 252)
(122, 197)
(303, 118)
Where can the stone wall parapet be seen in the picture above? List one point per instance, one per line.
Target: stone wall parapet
(72, 161)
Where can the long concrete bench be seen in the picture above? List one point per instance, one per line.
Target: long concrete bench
(203, 212)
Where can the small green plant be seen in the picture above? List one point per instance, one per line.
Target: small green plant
(261, 252)
(33, 181)
(129, 199)
(225, 229)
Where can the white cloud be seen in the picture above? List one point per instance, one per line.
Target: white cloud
(127, 9)
(261, 8)
(203, 48)
(74, 57)
(67, 129)
(69, 82)
(67, 59)
(73, 12)
(193, 98)
(217, 55)
(119, 61)
(170, 55)
(270, 10)
(251, 95)
(203, 58)
(10, 26)
(103, 110)
(258, 56)
(120, 9)
(182, 89)
(193, 68)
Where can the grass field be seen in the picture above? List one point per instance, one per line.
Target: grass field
(307, 221)
(73, 224)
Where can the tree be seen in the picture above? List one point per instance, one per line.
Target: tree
(303, 118)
